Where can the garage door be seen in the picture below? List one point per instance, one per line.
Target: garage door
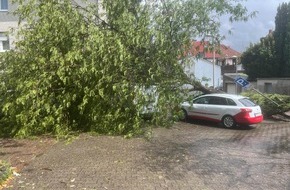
(231, 88)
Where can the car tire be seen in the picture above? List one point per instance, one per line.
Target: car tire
(184, 115)
(228, 121)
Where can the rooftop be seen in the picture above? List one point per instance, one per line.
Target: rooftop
(221, 51)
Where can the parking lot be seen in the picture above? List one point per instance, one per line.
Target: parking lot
(187, 156)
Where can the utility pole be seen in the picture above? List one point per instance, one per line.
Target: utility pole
(213, 67)
(213, 61)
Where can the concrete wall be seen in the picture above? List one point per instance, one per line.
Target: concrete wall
(274, 85)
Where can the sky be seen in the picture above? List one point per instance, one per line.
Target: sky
(244, 33)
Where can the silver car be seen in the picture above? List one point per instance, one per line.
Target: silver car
(228, 109)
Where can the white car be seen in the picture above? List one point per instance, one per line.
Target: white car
(228, 109)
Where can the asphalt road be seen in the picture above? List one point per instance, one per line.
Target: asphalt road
(188, 156)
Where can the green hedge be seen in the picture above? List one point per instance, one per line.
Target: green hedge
(266, 102)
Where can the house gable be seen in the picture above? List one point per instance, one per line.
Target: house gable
(224, 55)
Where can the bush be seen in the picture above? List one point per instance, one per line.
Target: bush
(5, 172)
(267, 102)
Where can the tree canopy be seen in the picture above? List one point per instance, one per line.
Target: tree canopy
(271, 56)
(259, 59)
(81, 66)
(282, 40)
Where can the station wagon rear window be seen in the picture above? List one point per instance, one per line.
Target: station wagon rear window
(247, 102)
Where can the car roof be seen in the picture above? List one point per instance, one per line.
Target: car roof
(233, 96)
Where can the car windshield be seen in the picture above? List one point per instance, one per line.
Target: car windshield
(247, 102)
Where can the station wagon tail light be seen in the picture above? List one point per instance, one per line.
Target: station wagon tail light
(246, 110)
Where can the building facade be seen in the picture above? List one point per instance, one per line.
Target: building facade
(205, 71)
(8, 24)
(274, 85)
(220, 64)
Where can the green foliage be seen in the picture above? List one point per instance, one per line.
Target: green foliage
(271, 56)
(82, 68)
(268, 107)
(282, 39)
(259, 59)
(5, 172)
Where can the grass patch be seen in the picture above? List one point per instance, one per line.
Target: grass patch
(5, 172)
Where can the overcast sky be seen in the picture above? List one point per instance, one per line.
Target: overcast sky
(244, 33)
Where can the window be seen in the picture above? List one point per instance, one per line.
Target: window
(203, 100)
(247, 102)
(4, 42)
(268, 87)
(218, 101)
(231, 102)
(3, 5)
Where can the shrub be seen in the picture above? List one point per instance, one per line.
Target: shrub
(270, 103)
(5, 172)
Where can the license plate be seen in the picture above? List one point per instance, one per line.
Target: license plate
(258, 114)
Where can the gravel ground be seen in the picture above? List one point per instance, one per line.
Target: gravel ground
(188, 156)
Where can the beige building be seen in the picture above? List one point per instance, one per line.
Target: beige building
(274, 85)
(8, 22)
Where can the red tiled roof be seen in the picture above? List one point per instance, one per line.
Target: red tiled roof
(222, 51)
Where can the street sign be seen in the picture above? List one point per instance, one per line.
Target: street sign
(243, 82)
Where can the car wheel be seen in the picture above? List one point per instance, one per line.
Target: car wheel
(184, 115)
(228, 121)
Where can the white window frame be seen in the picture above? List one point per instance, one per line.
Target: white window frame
(1, 6)
(4, 38)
